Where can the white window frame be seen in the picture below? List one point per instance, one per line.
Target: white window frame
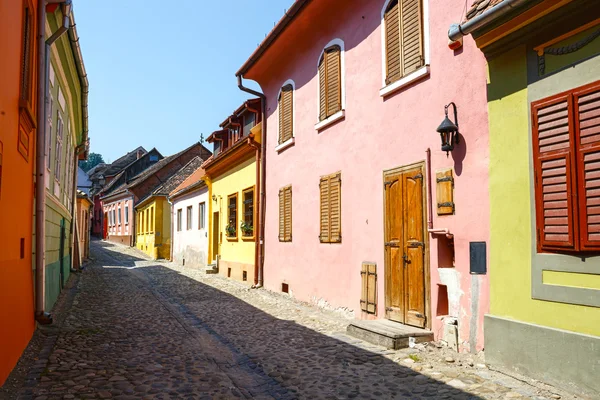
(292, 140)
(119, 214)
(202, 215)
(342, 113)
(126, 214)
(413, 76)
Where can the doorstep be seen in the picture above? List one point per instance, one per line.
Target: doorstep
(383, 332)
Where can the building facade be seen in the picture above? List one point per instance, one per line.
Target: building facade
(231, 175)
(190, 238)
(85, 211)
(18, 88)
(544, 119)
(360, 197)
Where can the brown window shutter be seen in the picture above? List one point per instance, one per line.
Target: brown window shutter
(371, 288)
(324, 188)
(286, 114)
(322, 88)
(587, 121)
(335, 208)
(392, 42)
(555, 180)
(364, 281)
(288, 214)
(334, 84)
(412, 36)
(281, 215)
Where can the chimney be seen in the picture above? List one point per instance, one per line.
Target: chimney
(140, 153)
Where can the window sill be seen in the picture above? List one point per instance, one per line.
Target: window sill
(285, 145)
(330, 120)
(403, 82)
(248, 238)
(232, 239)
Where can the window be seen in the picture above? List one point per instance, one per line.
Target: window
(231, 228)
(285, 214)
(179, 220)
(138, 228)
(249, 122)
(114, 217)
(403, 41)
(126, 214)
(153, 157)
(189, 218)
(27, 56)
(49, 136)
(330, 82)
(201, 215)
(286, 113)
(151, 219)
(566, 151)
(58, 149)
(119, 215)
(147, 212)
(248, 209)
(331, 199)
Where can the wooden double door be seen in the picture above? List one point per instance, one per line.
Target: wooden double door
(405, 290)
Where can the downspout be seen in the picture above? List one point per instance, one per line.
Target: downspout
(41, 316)
(457, 31)
(260, 245)
(254, 145)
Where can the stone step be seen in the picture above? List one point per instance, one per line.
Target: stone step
(392, 335)
(211, 269)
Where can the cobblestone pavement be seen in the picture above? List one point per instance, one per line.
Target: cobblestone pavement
(130, 328)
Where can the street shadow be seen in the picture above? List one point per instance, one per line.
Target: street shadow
(293, 360)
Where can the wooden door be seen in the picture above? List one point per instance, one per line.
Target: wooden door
(405, 247)
(215, 235)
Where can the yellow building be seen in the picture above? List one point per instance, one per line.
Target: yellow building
(231, 175)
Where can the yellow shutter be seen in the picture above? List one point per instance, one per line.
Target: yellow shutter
(281, 215)
(335, 208)
(324, 186)
(392, 42)
(412, 36)
(322, 89)
(288, 214)
(334, 84)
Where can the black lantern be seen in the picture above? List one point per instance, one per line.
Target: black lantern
(449, 130)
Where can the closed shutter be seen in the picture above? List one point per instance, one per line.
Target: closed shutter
(587, 122)
(335, 207)
(288, 214)
(322, 89)
(368, 298)
(392, 42)
(281, 215)
(286, 114)
(553, 142)
(412, 36)
(324, 186)
(334, 84)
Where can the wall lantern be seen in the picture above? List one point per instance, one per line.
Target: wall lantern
(449, 130)
(214, 197)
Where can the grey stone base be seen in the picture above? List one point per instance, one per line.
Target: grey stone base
(391, 335)
(561, 358)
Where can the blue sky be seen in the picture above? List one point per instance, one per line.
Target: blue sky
(160, 73)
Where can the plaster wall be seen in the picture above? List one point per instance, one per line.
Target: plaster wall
(190, 247)
(120, 232)
(377, 133)
(236, 253)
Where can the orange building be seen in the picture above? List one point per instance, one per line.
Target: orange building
(18, 72)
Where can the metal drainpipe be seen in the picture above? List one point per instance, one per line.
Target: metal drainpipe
(41, 316)
(261, 184)
(459, 30)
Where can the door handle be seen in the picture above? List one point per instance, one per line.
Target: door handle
(406, 260)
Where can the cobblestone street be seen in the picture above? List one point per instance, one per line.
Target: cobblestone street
(130, 328)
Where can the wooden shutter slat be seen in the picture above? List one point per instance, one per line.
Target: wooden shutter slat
(587, 121)
(412, 33)
(364, 289)
(281, 215)
(286, 114)
(335, 208)
(392, 42)
(288, 214)
(281, 117)
(555, 183)
(333, 81)
(324, 189)
(371, 288)
(323, 88)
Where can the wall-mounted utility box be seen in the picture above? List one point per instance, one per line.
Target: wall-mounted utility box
(478, 258)
(445, 192)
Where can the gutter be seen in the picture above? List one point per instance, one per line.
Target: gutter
(261, 163)
(272, 36)
(457, 31)
(41, 316)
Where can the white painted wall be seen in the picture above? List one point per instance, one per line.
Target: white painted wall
(83, 181)
(190, 247)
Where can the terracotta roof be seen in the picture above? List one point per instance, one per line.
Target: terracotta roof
(191, 180)
(122, 162)
(179, 177)
(479, 6)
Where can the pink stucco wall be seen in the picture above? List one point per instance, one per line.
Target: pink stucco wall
(377, 134)
(120, 232)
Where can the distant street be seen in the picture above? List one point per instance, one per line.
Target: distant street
(135, 329)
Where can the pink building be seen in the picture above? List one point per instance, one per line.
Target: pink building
(356, 217)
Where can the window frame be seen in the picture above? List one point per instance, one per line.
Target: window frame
(58, 148)
(201, 215)
(229, 197)
(328, 178)
(28, 49)
(126, 214)
(253, 190)
(320, 124)
(188, 218)
(387, 89)
(179, 219)
(282, 145)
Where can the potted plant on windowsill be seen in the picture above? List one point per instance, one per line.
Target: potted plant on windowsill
(247, 228)
(230, 230)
